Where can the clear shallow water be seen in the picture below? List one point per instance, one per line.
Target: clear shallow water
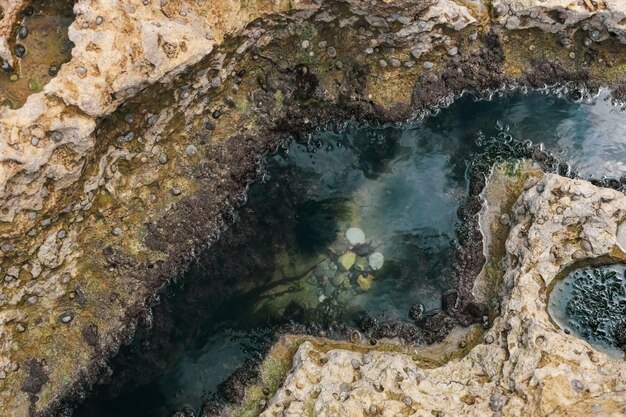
(591, 302)
(281, 261)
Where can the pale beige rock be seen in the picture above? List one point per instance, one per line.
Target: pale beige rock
(605, 16)
(531, 368)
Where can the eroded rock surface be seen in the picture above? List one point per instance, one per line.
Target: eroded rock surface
(525, 366)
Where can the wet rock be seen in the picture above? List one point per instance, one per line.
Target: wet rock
(355, 236)
(347, 260)
(365, 281)
(376, 260)
(19, 50)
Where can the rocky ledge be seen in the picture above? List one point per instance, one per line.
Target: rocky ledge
(134, 156)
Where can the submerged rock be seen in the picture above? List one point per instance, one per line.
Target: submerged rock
(347, 260)
(365, 281)
(355, 236)
(376, 260)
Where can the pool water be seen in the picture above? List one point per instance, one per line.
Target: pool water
(288, 260)
(591, 302)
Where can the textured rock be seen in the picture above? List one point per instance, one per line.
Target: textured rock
(100, 201)
(563, 16)
(525, 367)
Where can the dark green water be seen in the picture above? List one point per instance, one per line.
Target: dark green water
(591, 302)
(281, 261)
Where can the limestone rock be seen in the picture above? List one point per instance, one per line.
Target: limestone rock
(562, 16)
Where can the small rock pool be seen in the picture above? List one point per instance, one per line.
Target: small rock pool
(40, 47)
(591, 302)
(361, 221)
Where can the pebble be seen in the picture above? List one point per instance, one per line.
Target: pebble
(572, 55)
(369, 51)
(356, 364)
(116, 231)
(32, 300)
(365, 281)
(81, 70)
(66, 317)
(34, 141)
(577, 385)
(505, 218)
(347, 260)
(216, 82)
(489, 339)
(20, 328)
(305, 44)
(191, 150)
(176, 191)
(407, 400)
(428, 65)
(331, 51)
(473, 36)
(216, 114)
(338, 280)
(416, 53)
(395, 62)
(453, 51)
(61, 234)
(53, 70)
(163, 159)
(409, 64)
(22, 33)
(20, 50)
(376, 260)
(382, 63)
(99, 20)
(355, 236)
